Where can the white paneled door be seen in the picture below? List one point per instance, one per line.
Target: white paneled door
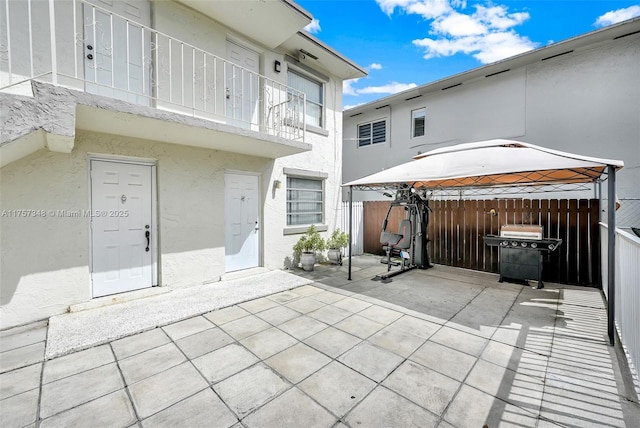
(117, 49)
(242, 86)
(121, 227)
(242, 226)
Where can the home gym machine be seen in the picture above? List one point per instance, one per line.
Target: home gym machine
(410, 242)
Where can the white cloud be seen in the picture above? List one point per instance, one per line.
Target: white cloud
(375, 66)
(487, 48)
(347, 87)
(487, 33)
(389, 88)
(313, 27)
(619, 15)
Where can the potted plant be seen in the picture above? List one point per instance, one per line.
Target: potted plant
(307, 246)
(335, 244)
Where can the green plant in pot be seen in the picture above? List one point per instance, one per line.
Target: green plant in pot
(307, 246)
(335, 244)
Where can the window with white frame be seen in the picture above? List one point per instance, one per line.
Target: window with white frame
(418, 122)
(372, 133)
(305, 201)
(313, 90)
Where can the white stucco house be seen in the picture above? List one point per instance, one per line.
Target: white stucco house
(580, 95)
(159, 143)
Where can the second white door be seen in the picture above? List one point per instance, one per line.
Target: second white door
(242, 226)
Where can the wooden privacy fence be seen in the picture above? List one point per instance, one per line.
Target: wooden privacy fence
(456, 228)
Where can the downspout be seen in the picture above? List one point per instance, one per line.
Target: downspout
(350, 226)
(611, 246)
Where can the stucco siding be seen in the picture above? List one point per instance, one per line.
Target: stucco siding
(46, 259)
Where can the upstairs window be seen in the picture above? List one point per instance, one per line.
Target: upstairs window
(418, 122)
(372, 133)
(314, 95)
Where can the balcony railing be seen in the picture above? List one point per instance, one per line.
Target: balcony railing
(77, 44)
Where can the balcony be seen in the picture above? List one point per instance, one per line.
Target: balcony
(96, 52)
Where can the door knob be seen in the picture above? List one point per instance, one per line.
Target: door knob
(146, 235)
(90, 56)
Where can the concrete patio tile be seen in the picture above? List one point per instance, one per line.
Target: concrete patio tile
(20, 380)
(21, 357)
(568, 408)
(164, 389)
(485, 311)
(187, 327)
(202, 409)
(138, 343)
(114, 409)
(250, 389)
(332, 342)
(223, 316)
(328, 297)
(416, 326)
(298, 362)
(278, 315)
(224, 362)
(78, 389)
(305, 305)
(292, 409)
(397, 340)
(456, 339)
(371, 361)
(18, 337)
(329, 314)
(351, 304)
(423, 386)
(151, 362)
(444, 360)
(308, 290)
(204, 342)
(385, 408)
(268, 342)
(511, 387)
(284, 296)
(473, 408)
(258, 305)
(20, 410)
(302, 327)
(76, 363)
(379, 314)
(359, 326)
(516, 359)
(245, 327)
(337, 387)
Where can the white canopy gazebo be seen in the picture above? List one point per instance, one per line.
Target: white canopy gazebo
(501, 166)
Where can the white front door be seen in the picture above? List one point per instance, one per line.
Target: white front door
(117, 49)
(242, 86)
(242, 227)
(121, 227)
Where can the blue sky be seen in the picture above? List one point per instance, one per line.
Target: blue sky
(404, 43)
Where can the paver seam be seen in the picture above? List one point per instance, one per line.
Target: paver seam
(124, 382)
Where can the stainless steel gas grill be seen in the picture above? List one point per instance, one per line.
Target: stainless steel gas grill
(521, 248)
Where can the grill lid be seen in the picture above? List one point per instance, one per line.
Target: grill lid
(522, 231)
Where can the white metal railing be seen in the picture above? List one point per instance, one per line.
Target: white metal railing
(80, 45)
(357, 242)
(627, 295)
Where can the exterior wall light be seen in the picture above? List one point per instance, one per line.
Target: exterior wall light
(276, 66)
